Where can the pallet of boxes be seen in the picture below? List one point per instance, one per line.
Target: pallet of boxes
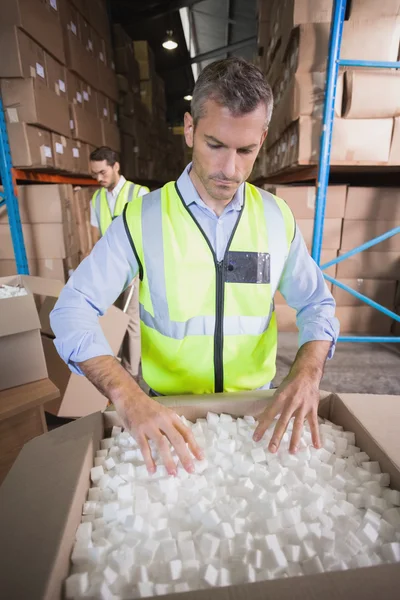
(150, 151)
(354, 215)
(293, 46)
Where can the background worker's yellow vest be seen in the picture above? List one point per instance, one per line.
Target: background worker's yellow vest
(99, 201)
(208, 326)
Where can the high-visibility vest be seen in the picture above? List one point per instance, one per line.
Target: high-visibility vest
(207, 325)
(99, 201)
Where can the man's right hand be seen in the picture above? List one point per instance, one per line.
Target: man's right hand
(146, 419)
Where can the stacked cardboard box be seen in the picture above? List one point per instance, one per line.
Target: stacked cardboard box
(293, 40)
(58, 85)
(353, 216)
(370, 212)
(149, 149)
(56, 228)
(301, 200)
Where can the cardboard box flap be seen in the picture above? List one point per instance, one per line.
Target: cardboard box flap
(55, 468)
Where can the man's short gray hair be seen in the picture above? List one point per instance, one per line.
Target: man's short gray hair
(235, 84)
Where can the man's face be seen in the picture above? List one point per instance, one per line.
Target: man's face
(106, 175)
(224, 147)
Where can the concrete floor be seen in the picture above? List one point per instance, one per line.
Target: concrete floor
(363, 368)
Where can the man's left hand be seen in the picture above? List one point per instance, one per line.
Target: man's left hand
(296, 397)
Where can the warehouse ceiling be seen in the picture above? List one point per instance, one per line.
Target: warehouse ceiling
(205, 30)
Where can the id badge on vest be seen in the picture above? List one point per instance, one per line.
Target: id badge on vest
(247, 267)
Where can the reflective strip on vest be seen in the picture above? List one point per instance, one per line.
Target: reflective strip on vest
(153, 251)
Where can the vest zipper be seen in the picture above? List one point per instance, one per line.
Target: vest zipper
(219, 297)
(219, 328)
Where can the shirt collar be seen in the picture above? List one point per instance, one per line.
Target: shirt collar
(190, 195)
(118, 187)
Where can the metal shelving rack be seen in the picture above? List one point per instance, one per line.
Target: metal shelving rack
(9, 178)
(334, 62)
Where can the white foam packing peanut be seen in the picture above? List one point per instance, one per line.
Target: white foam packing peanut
(245, 514)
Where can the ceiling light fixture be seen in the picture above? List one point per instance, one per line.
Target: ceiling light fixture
(169, 43)
(188, 97)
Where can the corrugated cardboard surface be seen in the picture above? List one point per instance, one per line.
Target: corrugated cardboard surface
(356, 233)
(78, 396)
(51, 514)
(30, 146)
(301, 200)
(21, 353)
(381, 290)
(332, 232)
(42, 240)
(373, 204)
(371, 94)
(40, 20)
(370, 265)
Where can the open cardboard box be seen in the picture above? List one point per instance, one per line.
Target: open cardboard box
(40, 527)
(21, 353)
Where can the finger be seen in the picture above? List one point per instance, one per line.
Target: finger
(312, 418)
(265, 421)
(189, 438)
(296, 433)
(165, 452)
(146, 453)
(280, 429)
(181, 449)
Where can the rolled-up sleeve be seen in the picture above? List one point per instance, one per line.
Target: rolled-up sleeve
(92, 288)
(304, 288)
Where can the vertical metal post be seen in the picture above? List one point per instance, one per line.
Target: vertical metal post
(335, 40)
(11, 198)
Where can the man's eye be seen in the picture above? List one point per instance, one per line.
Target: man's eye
(245, 151)
(215, 146)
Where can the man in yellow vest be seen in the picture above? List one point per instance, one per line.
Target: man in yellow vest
(107, 204)
(211, 251)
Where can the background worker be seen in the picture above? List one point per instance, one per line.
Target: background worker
(211, 250)
(107, 204)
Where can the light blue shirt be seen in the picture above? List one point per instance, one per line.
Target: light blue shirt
(111, 266)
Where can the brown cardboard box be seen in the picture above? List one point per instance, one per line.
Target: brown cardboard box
(127, 125)
(356, 233)
(21, 352)
(370, 265)
(22, 418)
(79, 60)
(22, 57)
(370, 9)
(371, 39)
(363, 320)
(111, 136)
(332, 232)
(30, 146)
(86, 127)
(42, 240)
(372, 204)
(43, 203)
(78, 396)
(371, 95)
(301, 200)
(394, 158)
(107, 80)
(62, 152)
(29, 101)
(380, 290)
(99, 18)
(89, 97)
(103, 107)
(374, 419)
(74, 88)
(40, 20)
(46, 268)
(56, 75)
(351, 141)
(80, 157)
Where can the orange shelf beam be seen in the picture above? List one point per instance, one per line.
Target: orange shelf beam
(26, 175)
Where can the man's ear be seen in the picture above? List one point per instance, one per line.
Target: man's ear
(188, 129)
